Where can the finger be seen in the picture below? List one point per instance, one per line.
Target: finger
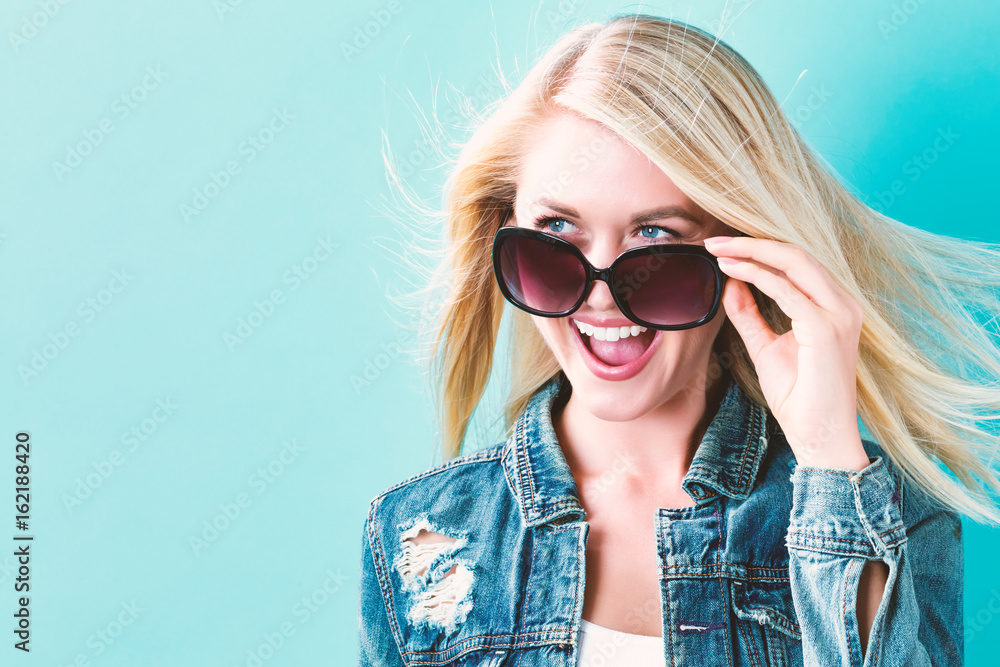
(793, 302)
(742, 311)
(801, 268)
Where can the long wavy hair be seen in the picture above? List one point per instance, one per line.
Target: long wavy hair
(927, 366)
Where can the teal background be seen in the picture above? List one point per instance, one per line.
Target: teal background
(881, 79)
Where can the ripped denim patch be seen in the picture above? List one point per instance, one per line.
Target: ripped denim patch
(439, 582)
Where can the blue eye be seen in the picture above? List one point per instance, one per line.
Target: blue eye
(559, 224)
(555, 225)
(655, 228)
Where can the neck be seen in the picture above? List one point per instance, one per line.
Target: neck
(649, 454)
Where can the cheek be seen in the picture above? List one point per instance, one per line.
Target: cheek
(549, 328)
(689, 344)
(555, 333)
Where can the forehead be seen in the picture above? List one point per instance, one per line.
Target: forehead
(585, 164)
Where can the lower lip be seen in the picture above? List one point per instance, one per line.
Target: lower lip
(615, 373)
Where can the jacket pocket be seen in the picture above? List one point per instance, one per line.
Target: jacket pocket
(767, 626)
(488, 658)
(493, 659)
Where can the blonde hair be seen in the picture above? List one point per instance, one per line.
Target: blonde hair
(927, 368)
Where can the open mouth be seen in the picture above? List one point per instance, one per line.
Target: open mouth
(621, 350)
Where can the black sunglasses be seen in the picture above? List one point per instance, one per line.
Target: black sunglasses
(664, 286)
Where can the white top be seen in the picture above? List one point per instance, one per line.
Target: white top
(604, 647)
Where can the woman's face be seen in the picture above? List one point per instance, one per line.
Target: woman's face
(589, 185)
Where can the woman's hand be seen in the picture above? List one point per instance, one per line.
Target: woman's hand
(809, 374)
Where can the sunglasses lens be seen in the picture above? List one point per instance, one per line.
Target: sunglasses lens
(667, 289)
(540, 275)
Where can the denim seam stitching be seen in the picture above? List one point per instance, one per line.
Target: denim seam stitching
(580, 557)
(381, 573)
(877, 544)
(843, 608)
(741, 626)
(722, 590)
(775, 648)
(820, 536)
(563, 528)
(811, 470)
(475, 457)
(541, 641)
(525, 595)
(492, 636)
(524, 472)
(726, 562)
(751, 441)
(807, 542)
(876, 633)
(670, 622)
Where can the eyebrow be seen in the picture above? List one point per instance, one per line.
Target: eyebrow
(648, 216)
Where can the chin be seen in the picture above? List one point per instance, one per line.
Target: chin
(611, 408)
(614, 401)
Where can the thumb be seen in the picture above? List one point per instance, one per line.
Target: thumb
(741, 309)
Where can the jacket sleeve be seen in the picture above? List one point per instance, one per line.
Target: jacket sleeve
(377, 645)
(841, 519)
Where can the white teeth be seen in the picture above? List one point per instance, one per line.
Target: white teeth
(609, 334)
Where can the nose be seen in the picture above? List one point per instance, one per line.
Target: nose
(600, 299)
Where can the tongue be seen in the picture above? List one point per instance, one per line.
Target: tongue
(623, 350)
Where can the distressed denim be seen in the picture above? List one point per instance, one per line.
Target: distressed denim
(762, 570)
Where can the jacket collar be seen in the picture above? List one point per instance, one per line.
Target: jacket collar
(726, 462)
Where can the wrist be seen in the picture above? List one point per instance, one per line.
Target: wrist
(844, 453)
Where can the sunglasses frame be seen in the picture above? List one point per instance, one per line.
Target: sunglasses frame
(608, 274)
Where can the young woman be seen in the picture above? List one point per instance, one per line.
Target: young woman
(702, 311)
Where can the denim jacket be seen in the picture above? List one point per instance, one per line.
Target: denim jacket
(763, 570)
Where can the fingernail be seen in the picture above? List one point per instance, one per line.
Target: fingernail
(717, 240)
